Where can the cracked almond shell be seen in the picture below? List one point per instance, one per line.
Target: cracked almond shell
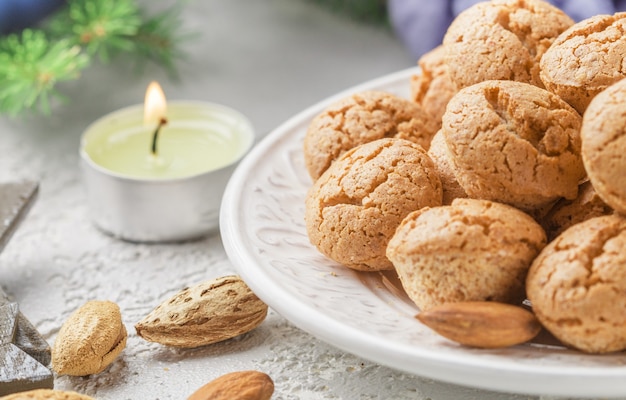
(89, 340)
(207, 313)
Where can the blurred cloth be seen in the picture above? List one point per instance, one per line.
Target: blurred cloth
(16, 15)
(421, 24)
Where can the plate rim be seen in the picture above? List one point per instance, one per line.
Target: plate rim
(527, 379)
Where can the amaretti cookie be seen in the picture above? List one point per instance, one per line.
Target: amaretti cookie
(586, 59)
(354, 208)
(471, 250)
(577, 283)
(566, 213)
(362, 118)
(604, 145)
(438, 152)
(502, 40)
(514, 143)
(432, 87)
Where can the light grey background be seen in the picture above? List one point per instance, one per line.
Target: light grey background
(267, 58)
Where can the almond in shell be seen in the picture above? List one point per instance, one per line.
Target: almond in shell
(207, 313)
(241, 385)
(89, 340)
(483, 324)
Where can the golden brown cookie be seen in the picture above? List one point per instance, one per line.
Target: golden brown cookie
(472, 250)
(576, 285)
(502, 39)
(362, 118)
(514, 143)
(354, 208)
(586, 59)
(432, 87)
(566, 213)
(438, 152)
(604, 145)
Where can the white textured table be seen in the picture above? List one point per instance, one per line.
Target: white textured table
(267, 58)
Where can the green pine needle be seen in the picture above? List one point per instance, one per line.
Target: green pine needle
(158, 39)
(102, 27)
(31, 66)
(34, 62)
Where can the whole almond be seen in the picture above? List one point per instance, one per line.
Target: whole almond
(242, 385)
(203, 314)
(89, 340)
(482, 323)
(46, 394)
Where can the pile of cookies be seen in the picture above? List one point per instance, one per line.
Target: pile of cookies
(502, 178)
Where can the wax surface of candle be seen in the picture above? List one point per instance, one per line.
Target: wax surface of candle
(185, 149)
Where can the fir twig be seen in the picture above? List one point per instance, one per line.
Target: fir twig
(33, 62)
(102, 27)
(159, 37)
(31, 66)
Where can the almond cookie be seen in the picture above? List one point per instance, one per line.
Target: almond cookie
(586, 59)
(604, 145)
(438, 152)
(502, 39)
(362, 118)
(514, 143)
(576, 285)
(566, 213)
(432, 87)
(471, 250)
(354, 208)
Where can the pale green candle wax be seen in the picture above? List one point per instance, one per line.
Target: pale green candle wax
(182, 151)
(194, 141)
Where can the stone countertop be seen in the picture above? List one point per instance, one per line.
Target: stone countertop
(267, 58)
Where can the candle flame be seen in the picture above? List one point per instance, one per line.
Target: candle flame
(155, 106)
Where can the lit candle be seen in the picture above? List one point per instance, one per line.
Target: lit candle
(197, 138)
(156, 172)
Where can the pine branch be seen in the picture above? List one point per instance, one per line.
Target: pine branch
(31, 66)
(33, 62)
(159, 37)
(101, 27)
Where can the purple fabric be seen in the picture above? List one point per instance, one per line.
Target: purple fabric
(19, 14)
(421, 24)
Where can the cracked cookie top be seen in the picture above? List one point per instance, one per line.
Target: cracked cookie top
(514, 143)
(362, 118)
(586, 59)
(576, 285)
(439, 153)
(432, 87)
(471, 250)
(565, 213)
(604, 144)
(354, 208)
(502, 39)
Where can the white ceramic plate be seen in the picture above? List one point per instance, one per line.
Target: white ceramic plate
(263, 231)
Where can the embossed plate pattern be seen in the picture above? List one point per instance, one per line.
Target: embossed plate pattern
(263, 231)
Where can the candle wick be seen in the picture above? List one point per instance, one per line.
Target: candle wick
(155, 135)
